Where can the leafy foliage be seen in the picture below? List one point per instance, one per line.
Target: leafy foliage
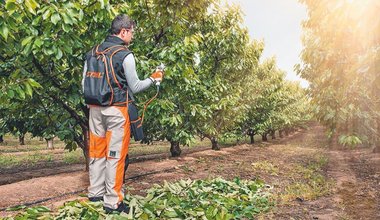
(227, 65)
(170, 38)
(349, 140)
(213, 81)
(341, 61)
(185, 199)
(38, 212)
(43, 45)
(276, 104)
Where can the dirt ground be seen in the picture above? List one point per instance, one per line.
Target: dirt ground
(309, 180)
(47, 168)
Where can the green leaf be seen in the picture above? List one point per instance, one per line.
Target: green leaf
(38, 42)
(26, 40)
(58, 54)
(31, 5)
(11, 6)
(46, 14)
(68, 49)
(27, 49)
(28, 89)
(16, 208)
(37, 21)
(55, 18)
(66, 27)
(10, 93)
(4, 31)
(42, 209)
(80, 15)
(33, 83)
(21, 93)
(67, 19)
(170, 214)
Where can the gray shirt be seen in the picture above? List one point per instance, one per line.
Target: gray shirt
(135, 85)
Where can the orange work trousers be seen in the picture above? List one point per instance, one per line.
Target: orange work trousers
(109, 141)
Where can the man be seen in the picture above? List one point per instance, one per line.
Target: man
(109, 123)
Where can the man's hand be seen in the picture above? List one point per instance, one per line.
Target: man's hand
(157, 76)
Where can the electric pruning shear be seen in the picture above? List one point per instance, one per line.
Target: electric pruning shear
(161, 68)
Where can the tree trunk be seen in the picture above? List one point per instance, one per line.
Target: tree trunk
(1, 139)
(273, 134)
(264, 137)
(281, 133)
(291, 130)
(21, 139)
(175, 150)
(86, 147)
(84, 144)
(377, 139)
(252, 136)
(286, 131)
(214, 143)
(50, 143)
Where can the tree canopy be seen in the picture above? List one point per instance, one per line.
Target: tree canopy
(341, 61)
(215, 82)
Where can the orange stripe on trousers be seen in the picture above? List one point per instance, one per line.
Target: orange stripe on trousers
(123, 153)
(98, 146)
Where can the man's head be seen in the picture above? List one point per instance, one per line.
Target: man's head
(122, 26)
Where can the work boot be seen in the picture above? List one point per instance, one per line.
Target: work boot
(96, 199)
(121, 208)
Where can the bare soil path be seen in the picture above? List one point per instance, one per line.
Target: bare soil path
(357, 175)
(345, 184)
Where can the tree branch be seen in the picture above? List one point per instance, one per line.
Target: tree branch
(85, 110)
(79, 141)
(45, 109)
(43, 73)
(157, 37)
(148, 10)
(70, 110)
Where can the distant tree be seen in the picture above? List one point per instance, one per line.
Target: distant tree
(228, 59)
(341, 62)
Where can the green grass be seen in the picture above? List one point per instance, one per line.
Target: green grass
(24, 148)
(35, 157)
(148, 149)
(11, 144)
(73, 157)
(308, 181)
(266, 167)
(8, 161)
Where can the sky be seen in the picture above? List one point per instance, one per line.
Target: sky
(278, 23)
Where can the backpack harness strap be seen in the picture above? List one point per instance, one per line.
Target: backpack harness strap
(102, 55)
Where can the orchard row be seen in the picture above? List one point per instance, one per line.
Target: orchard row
(216, 83)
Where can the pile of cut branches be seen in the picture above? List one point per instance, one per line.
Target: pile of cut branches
(185, 199)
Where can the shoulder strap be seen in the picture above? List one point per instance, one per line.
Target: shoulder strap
(112, 53)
